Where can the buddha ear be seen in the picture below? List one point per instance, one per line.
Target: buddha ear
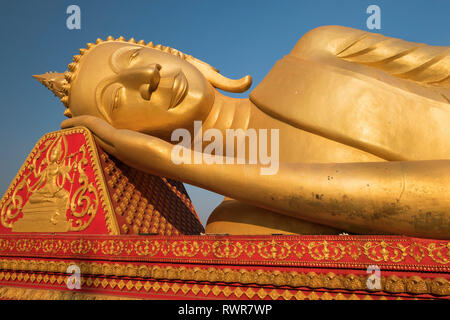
(219, 81)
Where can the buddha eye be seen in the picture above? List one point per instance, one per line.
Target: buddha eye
(134, 55)
(116, 98)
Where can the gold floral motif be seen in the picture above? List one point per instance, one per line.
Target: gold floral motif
(147, 248)
(80, 246)
(274, 249)
(439, 253)
(326, 251)
(205, 248)
(51, 245)
(27, 245)
(416, 251)
(5, 245)
(112, 247)
(226, 249)
(185, 248)
(166, 247)
(353, 249)
(384, 252)
(250, 249)
(299, 249)
(81, 204)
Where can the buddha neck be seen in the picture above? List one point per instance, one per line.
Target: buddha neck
(228, 113)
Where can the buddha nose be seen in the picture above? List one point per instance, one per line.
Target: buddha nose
(154, 76)
(151, 73)
(146, 79)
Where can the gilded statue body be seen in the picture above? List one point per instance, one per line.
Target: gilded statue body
(363, 125)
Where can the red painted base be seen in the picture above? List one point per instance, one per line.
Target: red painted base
(219, 267)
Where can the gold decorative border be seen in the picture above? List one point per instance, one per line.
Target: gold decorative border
(16, 293)
(179, 290)
(110, 219)
(392, 284)
(391, 254)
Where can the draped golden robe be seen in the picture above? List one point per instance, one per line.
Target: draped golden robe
(382, 95)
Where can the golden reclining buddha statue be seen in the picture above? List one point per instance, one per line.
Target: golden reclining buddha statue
(363, 130)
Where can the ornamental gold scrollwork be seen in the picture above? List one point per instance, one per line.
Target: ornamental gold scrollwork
(11, 209)
(326, 250)
(116, 247)
(166, 247)
(299, 249)
(382, 251)
(354, 250)
(6, 244)
(65, 248)
(205, 248)
(417, 252)
(438, 254)
(96, 245)
(27, 245)
(51, 245)
(147, 248)
(80, 246)
(377, 251)
(249, 249)
(81, 205)
(54, 194)
(185, 248)
(112, 247)
(274, 249)
(227, 249)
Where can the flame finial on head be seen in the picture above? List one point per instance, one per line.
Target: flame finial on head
(56, 83)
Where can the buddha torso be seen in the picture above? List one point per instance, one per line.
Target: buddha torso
(336, 98)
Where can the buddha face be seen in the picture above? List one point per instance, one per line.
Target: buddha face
(139, 88)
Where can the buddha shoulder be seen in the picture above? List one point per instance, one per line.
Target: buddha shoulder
(365, 90)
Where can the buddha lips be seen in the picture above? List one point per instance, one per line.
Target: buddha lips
(209, 147)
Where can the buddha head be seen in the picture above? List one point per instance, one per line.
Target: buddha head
(138, 86)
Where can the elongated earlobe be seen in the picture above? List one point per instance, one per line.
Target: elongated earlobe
(218, 80)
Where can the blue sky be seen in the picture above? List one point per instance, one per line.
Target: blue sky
(237, 37)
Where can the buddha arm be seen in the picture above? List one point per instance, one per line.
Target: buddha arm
(411, 198)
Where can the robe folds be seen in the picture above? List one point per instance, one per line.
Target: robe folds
(363, 101)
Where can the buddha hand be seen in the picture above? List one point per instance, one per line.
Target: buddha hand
(136, 149)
